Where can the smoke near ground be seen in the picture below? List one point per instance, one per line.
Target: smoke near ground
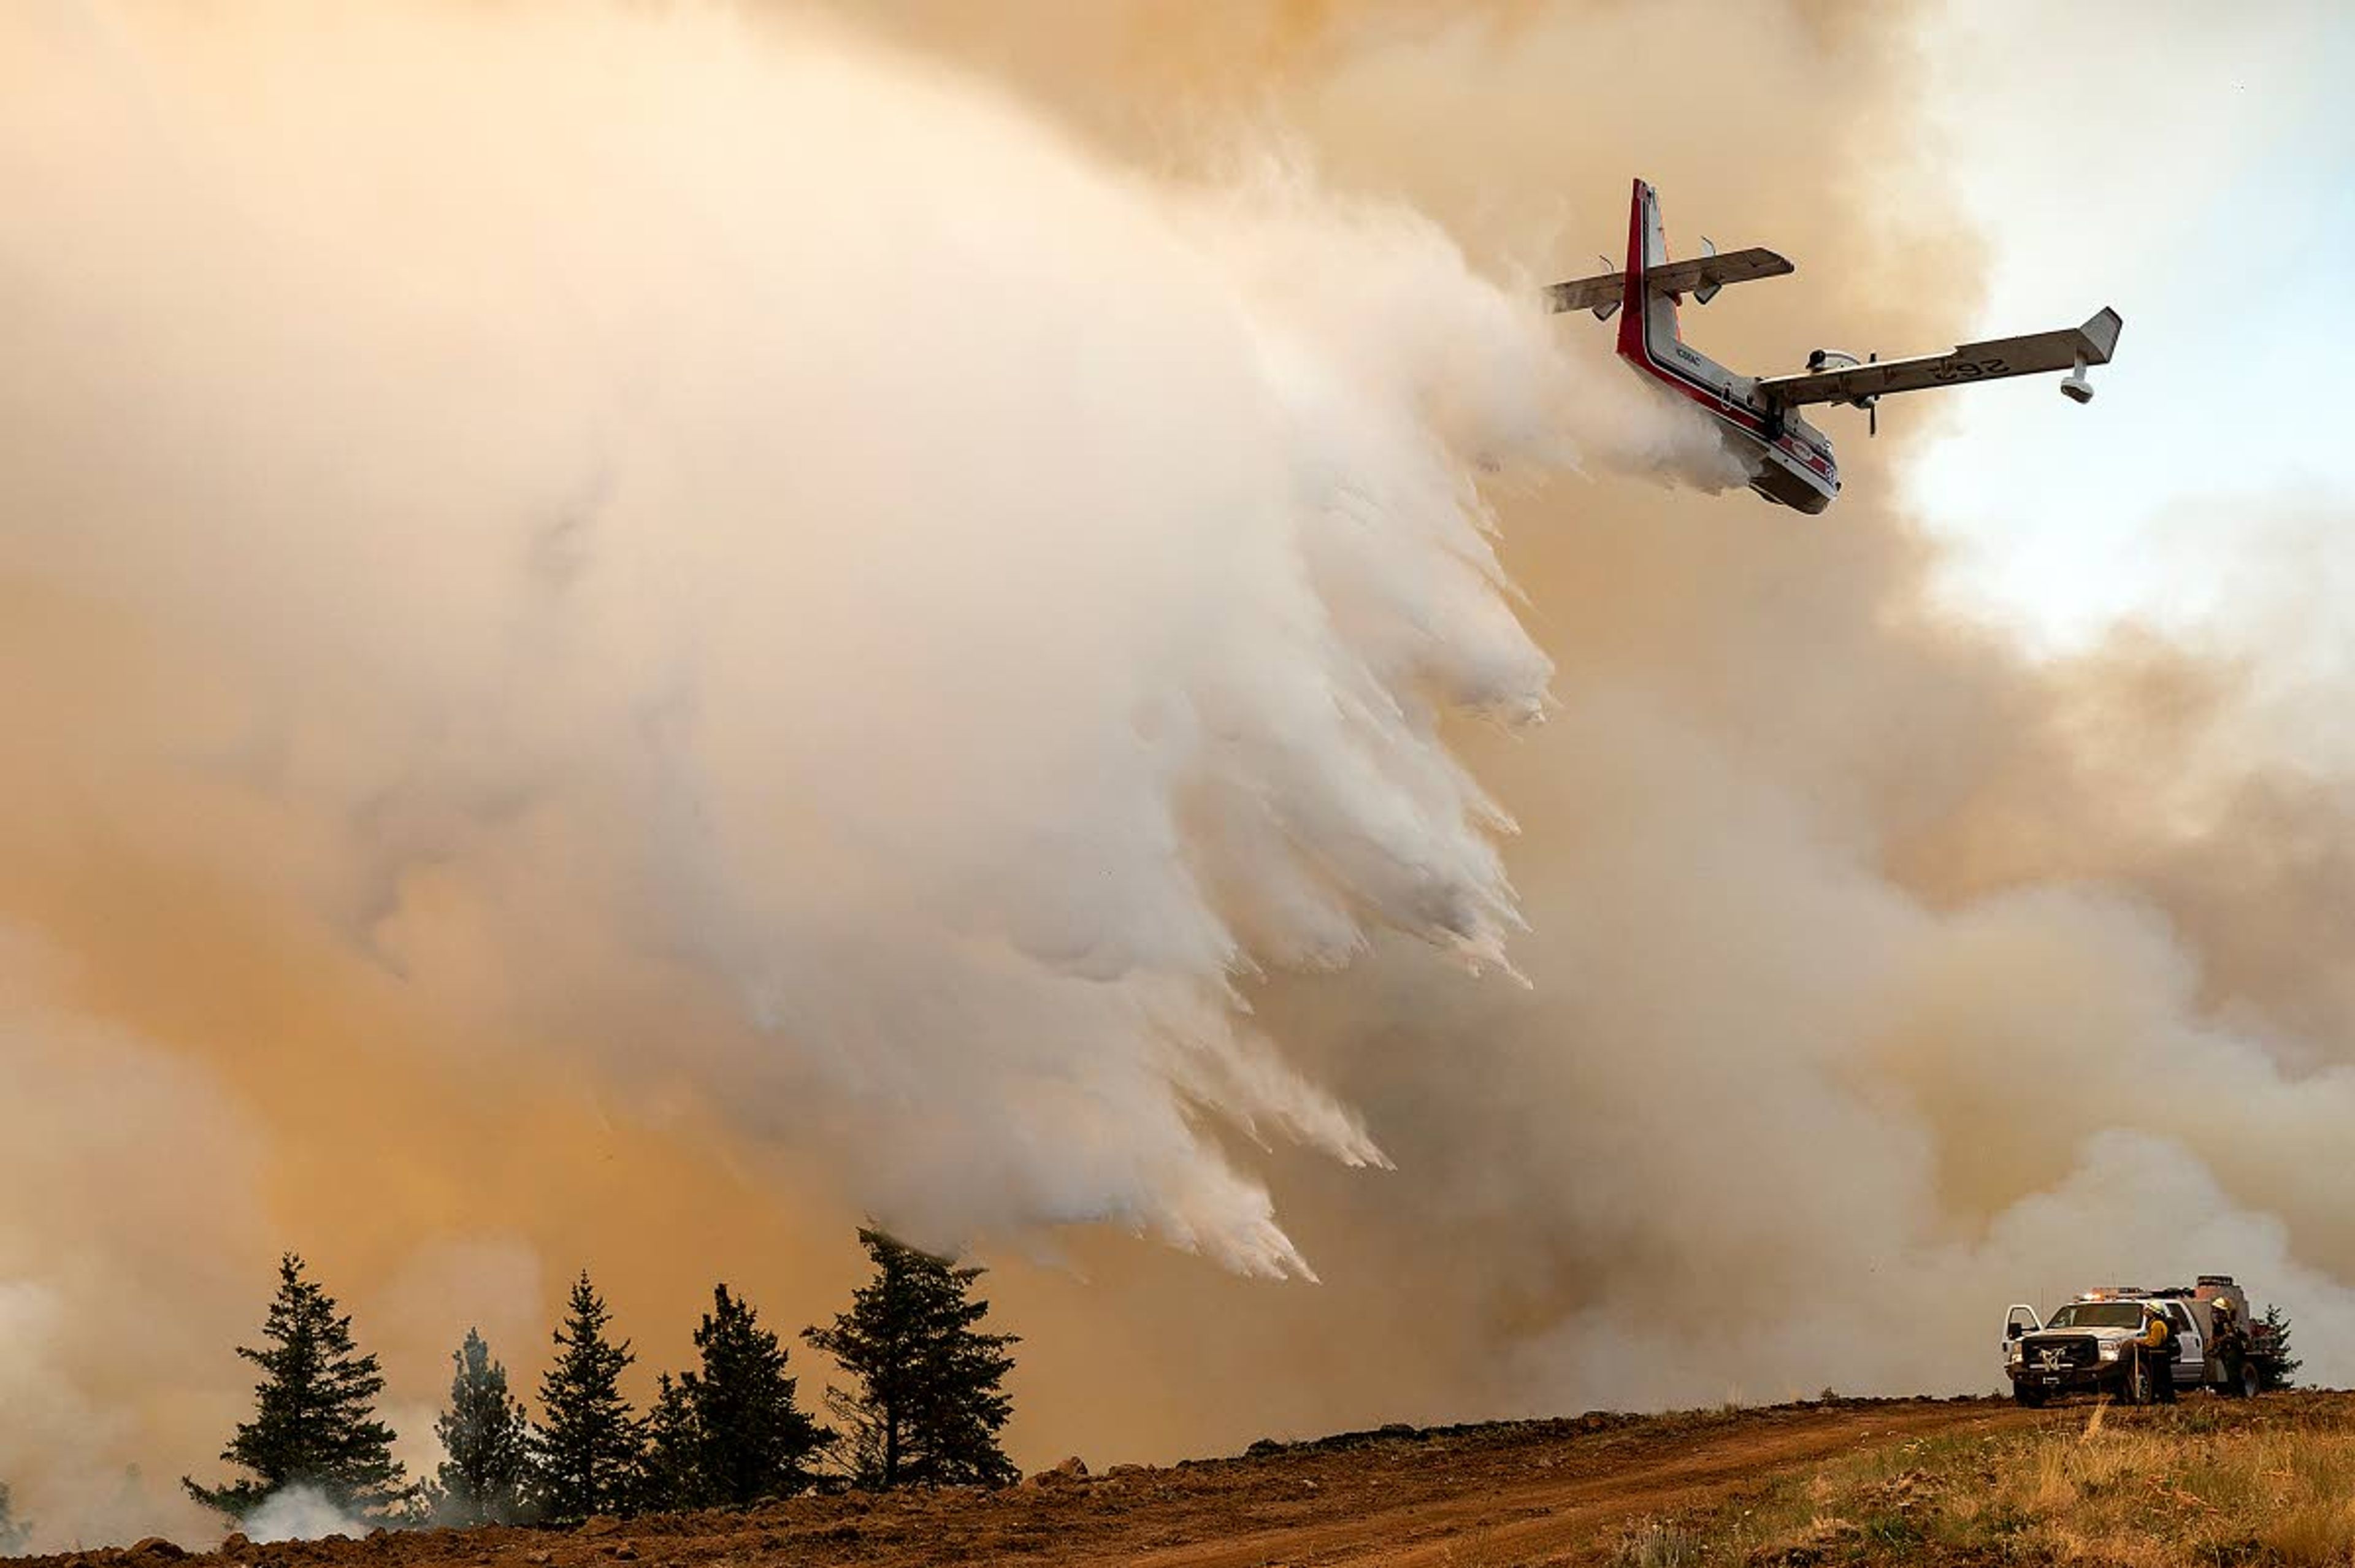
(634, 636)
(300, 1513)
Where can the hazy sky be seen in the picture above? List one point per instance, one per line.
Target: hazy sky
(2194, 167)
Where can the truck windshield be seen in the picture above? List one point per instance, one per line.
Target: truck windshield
(2096, 1315)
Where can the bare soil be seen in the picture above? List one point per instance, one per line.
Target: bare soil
(1563, 1491)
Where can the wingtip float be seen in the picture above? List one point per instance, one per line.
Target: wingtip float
(1760, 413)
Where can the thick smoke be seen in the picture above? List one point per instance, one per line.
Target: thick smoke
(135, 1199)
(961, 603)
(633, 634)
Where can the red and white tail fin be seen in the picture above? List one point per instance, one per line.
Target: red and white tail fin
(1642, 313)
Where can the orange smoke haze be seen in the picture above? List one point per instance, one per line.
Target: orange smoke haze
(631, 638)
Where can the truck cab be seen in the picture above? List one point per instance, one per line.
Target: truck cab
(2088, 1346)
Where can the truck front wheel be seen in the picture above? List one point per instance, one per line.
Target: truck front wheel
(2033, 1398)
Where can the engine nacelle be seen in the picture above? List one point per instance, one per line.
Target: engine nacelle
(2075, 387)
(1830, 359)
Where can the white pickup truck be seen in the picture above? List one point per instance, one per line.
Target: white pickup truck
(2090, 1346)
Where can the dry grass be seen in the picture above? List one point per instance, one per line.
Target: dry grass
(2270, 1482)
(1660, 1543)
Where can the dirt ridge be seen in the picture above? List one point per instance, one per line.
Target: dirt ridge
(1558, 1489)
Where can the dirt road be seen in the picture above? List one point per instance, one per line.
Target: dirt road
(1527, 1492)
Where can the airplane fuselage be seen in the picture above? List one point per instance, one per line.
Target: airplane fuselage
(1790, 460)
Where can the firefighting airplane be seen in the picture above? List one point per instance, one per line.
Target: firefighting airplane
(1793, 459)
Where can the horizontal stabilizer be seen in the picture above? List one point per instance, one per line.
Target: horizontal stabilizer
(1591, 293)
(1707, 274)
(1698, 275)
(2091, 344)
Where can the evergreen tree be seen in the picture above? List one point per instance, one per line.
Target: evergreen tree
(488, 1441)
(315, 1419)
(672, 1477)
(588, 1448)
(750, 1440)
(2278, 1372)
(14, 1532)
(928, 1407)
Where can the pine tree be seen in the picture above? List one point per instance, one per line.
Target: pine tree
(315, 1420)
(928, 1407)
(488, 1441)
(14, 1532)
(751, 1441)
(588, 1448)
(2279, 1369)
(672, 1477)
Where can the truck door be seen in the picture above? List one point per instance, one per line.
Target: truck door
(2192, 1349)
(2020, 1320)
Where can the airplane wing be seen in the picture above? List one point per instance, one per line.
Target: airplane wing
(1701, 277)
(1971, 362)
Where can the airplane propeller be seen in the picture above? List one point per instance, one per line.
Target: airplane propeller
(1872, 405)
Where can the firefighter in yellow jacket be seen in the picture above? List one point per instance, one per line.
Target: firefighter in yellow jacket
(2155, 1346)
